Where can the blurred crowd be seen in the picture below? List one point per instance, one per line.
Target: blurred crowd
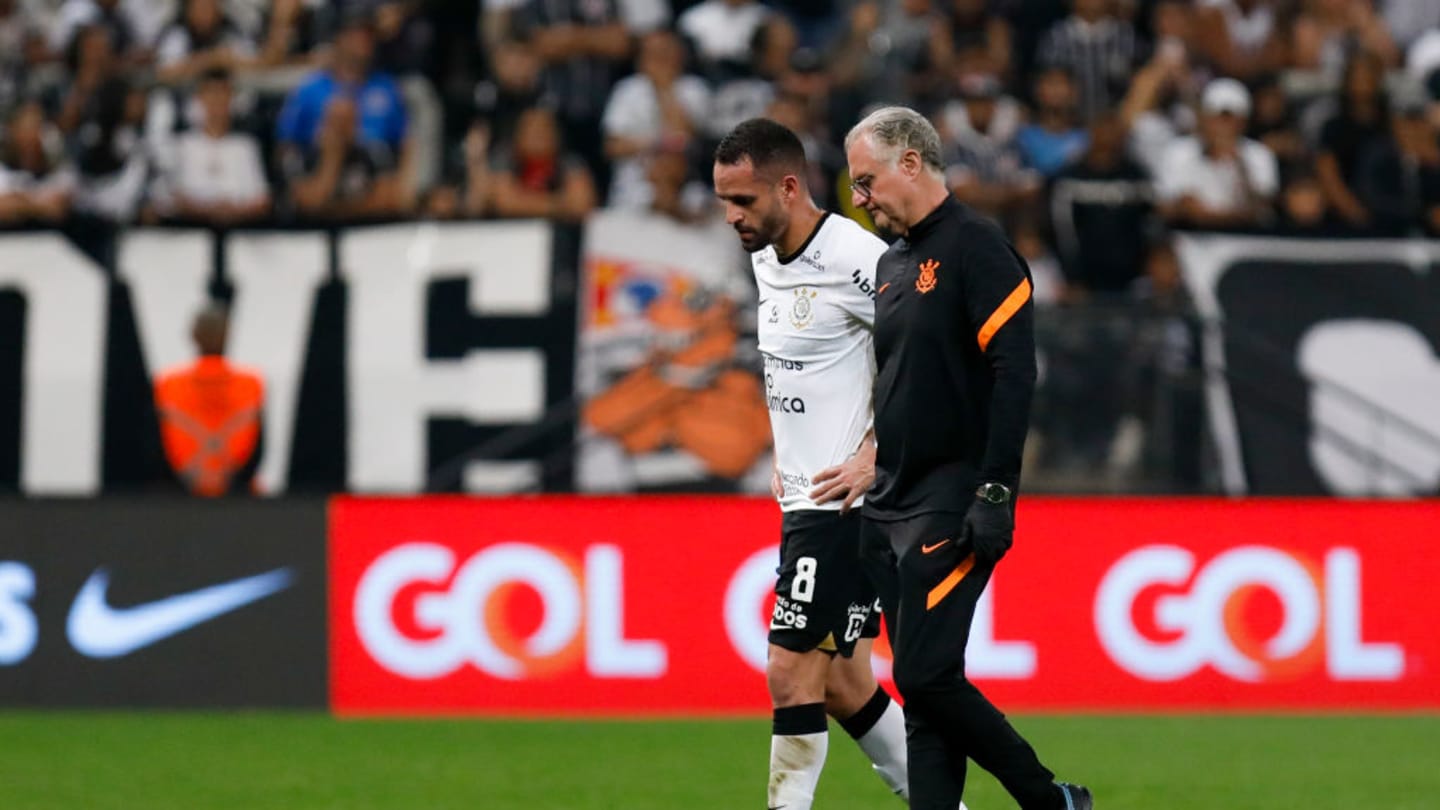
(1092, 129)
(1078, 123)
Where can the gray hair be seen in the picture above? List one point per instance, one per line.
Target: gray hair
(896, 129)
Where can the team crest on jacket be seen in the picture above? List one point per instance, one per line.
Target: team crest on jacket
(926, 281)
(802, 312)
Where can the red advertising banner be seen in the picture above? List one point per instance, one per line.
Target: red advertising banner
(660, 605)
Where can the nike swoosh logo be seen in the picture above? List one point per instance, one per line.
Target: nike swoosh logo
(931, 547)
(882, 288)
(100, 631)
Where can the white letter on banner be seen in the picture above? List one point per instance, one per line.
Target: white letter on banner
(987, 657)
(276, 278)
(393, 388)
(65, 297)
(18, 631)
(608, 653)
(1349, 657)
(167, 272)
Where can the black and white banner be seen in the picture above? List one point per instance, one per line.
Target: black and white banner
(1323, 362)
(162, 602)
(387, 351)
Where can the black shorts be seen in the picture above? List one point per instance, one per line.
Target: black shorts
(823, 599)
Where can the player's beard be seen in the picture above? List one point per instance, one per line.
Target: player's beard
(764, 235)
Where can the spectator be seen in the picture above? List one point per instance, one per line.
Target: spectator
(1239, 36)
(291, 33)
(211, 424)
(1327, 33)
(1219, 178)
(537, 177)
(1303, 207)
(21, 49)
(35, 183)
(889, 52)
(675, 192)
(468, 190)
(201, 39)
(512, 87)
(1054, 138)
(381, 111)
(985, 169)
(722, 33)
(583, 46)
(657, 109)
(1273, 124)
(1362, 118)
(345, 175)
(91, 60)
(1099, 49)
(131, 26)
(112, 160)
(404, 38)
(1156, 109)
(217, 176)
(971, 37)
(745, 96)
(1400, 174)
(818, 23)
(1102, 210)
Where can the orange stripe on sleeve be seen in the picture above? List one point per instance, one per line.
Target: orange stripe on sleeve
(1003, 313)
(939, 592)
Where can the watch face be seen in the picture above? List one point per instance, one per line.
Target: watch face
(994, 493)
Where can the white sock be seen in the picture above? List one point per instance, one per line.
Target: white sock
(795, 763)
(884, 744)
(797, 758)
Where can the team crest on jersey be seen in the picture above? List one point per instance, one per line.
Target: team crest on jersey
(802, 312)
(926, 281)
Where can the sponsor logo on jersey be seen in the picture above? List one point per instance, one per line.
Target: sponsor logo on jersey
(863, 283)
(856, 616)
(773, 362)
(788, 614)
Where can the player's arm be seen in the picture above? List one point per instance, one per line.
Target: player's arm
(1001, 313)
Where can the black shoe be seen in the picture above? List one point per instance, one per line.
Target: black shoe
(1077, 797)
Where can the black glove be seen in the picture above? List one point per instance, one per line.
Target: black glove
(990, 528)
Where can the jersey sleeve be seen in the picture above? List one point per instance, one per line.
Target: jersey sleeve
(863, 251)
(1000, 311)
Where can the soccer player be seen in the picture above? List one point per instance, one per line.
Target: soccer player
(815, 273)
(955, 350)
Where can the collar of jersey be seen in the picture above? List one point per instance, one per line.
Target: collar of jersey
(924, 226)
(819, 223)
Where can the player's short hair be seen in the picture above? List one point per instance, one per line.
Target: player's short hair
(768, 145)
(896, 129)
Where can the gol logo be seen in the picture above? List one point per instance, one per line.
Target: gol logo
(582, 613)
(1320, 616)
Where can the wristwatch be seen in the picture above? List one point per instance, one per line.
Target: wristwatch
(994, 493)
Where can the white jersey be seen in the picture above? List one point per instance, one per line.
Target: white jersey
(817, 312)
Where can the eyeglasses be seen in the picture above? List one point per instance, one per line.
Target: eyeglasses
(861, 186)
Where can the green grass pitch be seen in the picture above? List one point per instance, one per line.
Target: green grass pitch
(54, 760)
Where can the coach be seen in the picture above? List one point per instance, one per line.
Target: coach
(955, 356)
